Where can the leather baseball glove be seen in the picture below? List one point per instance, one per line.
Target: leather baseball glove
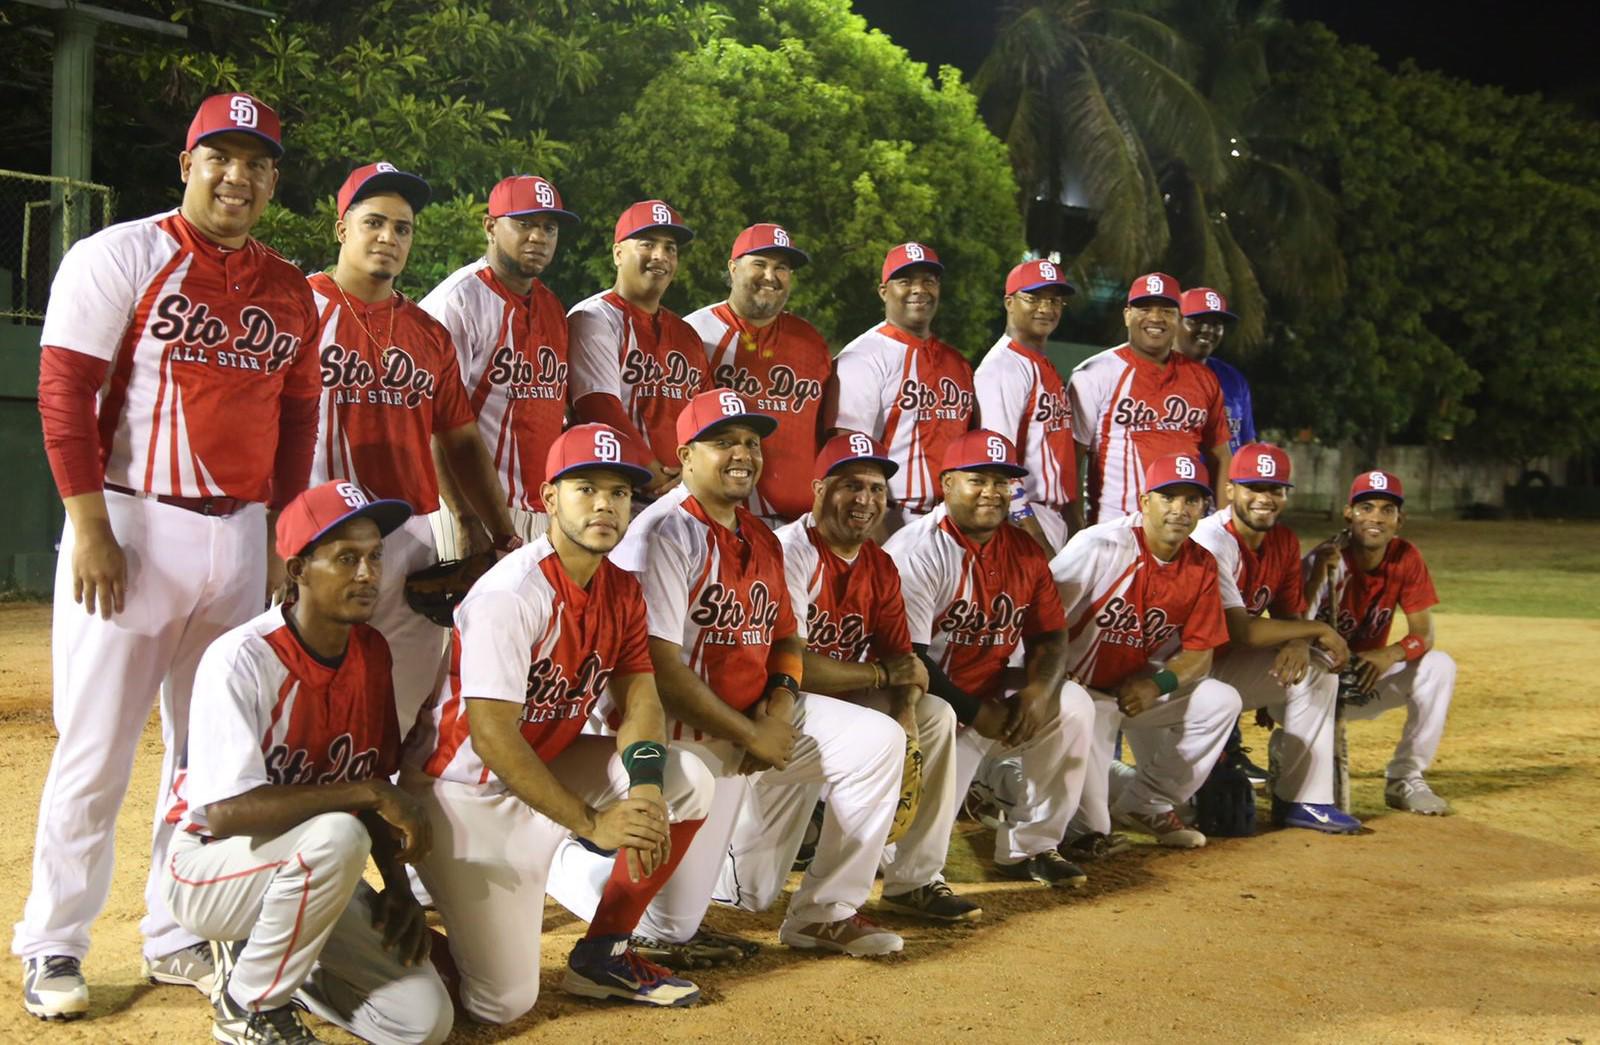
(437, 590)
(910, 790)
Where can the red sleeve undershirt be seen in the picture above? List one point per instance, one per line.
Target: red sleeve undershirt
(68, 382)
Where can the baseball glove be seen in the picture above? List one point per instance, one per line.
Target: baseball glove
(436, 591)
(910, 790)
(1357, 687)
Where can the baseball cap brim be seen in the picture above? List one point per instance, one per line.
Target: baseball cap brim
(1061, 283)
(1224, 313)
(937, 266)
(762, 424)
(555, 212)
(1015, 471)
(1168, 298)
(275, 146)
(638, 475)
(797, 257)
(889, 467)
(681, 233)
(389, 514)
(1367, 495)
(1196, 483)
(408, 187)
(1252, 480)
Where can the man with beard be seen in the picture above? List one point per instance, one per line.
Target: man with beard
(1021, 396)
(1141, 400)
(903, 386)
(1269, 660)
(1205, 315)
(510, 334)
(1356, 580)
(636, 364)
(1143, 605)
(773, 358)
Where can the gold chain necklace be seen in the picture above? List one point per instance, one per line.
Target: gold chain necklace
(382, 348)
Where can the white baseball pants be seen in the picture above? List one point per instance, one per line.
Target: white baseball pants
(1175, 743)
(298, 902)
(491, 860)
(1052, 522)
(1423, 687)
(416, 643)
(191, 577)
(1304, 710)
(451, 542)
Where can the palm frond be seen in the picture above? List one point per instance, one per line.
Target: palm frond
(1171, 116)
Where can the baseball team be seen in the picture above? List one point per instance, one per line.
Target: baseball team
(693, 666)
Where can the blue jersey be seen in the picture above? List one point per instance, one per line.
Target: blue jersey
(1236, 396)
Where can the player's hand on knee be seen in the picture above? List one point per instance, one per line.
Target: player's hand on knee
(402, 812)
(906, 669)
(1368, 670)
(1136, 696)
(774, 741)
(991, 720)
(633, 824)
(99, 572)
(650, 859)
(1334, 645)
(403, 923)
(1026, 715)
(1291, 663)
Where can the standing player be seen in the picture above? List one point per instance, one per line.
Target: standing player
(976, 589)
(286, 793)
(1141, 400)
(166, 338)
(773, 358)
(510, 334)
(500, 767)
(1205, 315)
(635, 364)
(391, 389)
(1021, 396)
(1145, 613)
(1269, 660)
(1356, 580)
(903, 386)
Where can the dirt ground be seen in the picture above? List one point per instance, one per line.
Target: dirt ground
(1484, 926)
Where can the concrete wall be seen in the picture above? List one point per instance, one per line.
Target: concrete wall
(1434, 480)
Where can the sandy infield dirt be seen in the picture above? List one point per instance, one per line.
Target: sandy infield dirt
(1484, 926)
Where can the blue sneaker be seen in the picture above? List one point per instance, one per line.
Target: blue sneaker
(1329, 819)
(607, 967)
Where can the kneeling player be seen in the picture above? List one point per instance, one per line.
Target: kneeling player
(1144, 612)
(1355, 581)
(505, 777)
(1269, 661)
(292, 738)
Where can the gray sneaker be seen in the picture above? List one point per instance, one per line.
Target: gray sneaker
(1413, 795)
(53, 987)
(237, 1025)
(190, 966)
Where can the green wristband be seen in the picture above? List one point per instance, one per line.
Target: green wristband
(646, 763)
(1166, 680)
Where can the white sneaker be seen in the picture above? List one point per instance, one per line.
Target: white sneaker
(190, 966)
(1413, 795)
(856, 935)
(53, 987)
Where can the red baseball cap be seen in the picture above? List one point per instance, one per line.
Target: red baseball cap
(768, 237)
(310, 516)
(849, 448)
(1377, 484)
(383, 177)
(1176, 470)
(1036, 275)
(718, 407)
(1156, 285)
(651, 214)
(1203, 301)
(523, 194)
(594, 446)
(1260, 463)
(981, 450)
(222, 113)
(906, 255)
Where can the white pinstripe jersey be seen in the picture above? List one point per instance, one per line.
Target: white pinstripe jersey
(1021, 396)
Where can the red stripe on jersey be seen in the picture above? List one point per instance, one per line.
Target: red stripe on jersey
(117, 390)
(450, 735)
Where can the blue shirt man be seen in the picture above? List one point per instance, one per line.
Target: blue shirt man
(1204, 313)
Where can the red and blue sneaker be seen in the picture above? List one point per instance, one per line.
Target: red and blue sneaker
(607, 967)
(1315, 816)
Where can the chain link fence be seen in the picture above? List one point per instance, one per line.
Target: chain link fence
(40, 217)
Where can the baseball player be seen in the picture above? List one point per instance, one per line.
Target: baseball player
(391, 389)
(976, 591)
(773, 358)
(635, 364)
(510, 336)
(285, 794)
(1140, 401)
(903, 386)
(727, 651)
(847, 591)
(1356, 580)
(1145, 615)
(1205, 319)
(1021, 395)
(504, 774)
(167, 338)
(1269, 660)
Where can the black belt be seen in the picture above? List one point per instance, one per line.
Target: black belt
(221, 507)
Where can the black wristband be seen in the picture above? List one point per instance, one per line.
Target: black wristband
(646, 763)
(778, 680)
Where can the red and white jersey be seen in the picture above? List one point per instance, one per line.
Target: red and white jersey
(914, 396)
(1126, 608)
(653, 364)
(512, 354)
(529, 634)
(1361, 605)
(973, 604)
(850, 607)
(1251, 580)
(719, 593)
(780, 369)
(268, 711)
(202, 343)
(390, 381)
(1021, 396)
(1129, 411)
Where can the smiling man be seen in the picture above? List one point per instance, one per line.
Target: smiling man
(1205, 320)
